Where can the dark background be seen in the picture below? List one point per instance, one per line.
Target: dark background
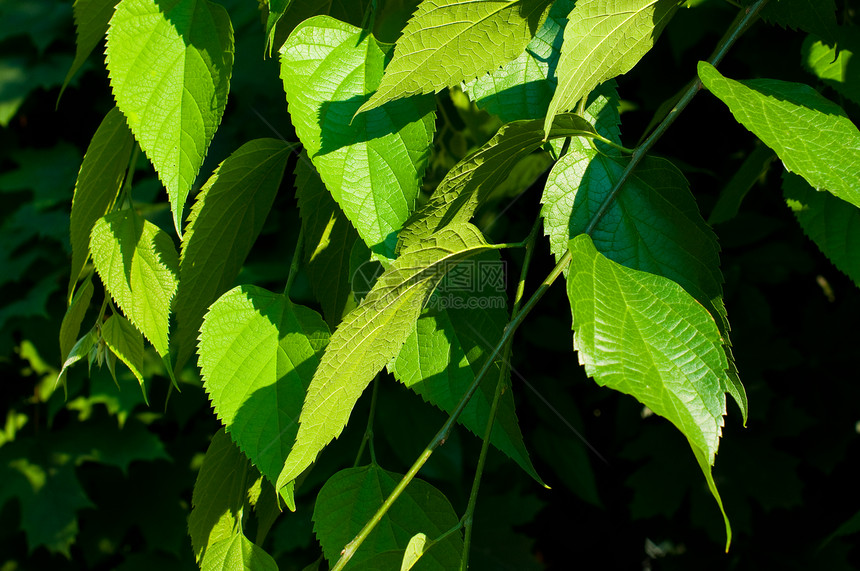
(99, 480)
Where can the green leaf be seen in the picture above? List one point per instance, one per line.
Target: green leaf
(604, 39)
(473, 179)
(652, 225)
(835, 68)
(831, 223)
(643, 335)
(226, 219)
(811, 135)
(449, 41)
(371, 335)
(523, 87)
(449, 346)
(258, 352)
(329, 239)
(138, 265)
(99, 181)
(372, 165)
(127, 344)
(277, 8)
(415, 549)
(814, 16)
(170, 63)
(91, 20)
(219, 494)
(74, 317)
(237, 553)
(753, 168)
(80, 350)
(350, 497)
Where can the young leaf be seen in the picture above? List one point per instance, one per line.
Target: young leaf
(277, 8)
(91, 21)
(329, 238)
(813, 16)
(219, 494)
(474, 178)
(350, 497)
(126, 343)
(643, 335)
(372, 165)
(138, 265)
(99, 181)
(237, 553)
(417, 546)
(831, 223)
(811, 135)
(831, 65)
(449, 41)
(604, 39)
(523, 87)
(74, 317)
(80, 350)
(653, 225)
(258, 352)
(371, 335)
(170, 63)
(226, 219)
(448, 348)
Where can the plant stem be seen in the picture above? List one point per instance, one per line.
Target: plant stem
(741, 23)
(367, 439)
(294, 264)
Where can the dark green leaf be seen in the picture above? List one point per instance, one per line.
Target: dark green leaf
(91, 20)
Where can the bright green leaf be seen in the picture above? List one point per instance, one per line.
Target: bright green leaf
(523, 87)
(449, 41)
(653, 225)
(219, 494)
(350, 497)
(838, 69)
(91, 20)
(237, 553)
(226, 219)
(170, 63)
(126, 343)
(138, 265)
(371, 335)
(74, 317)
(833, 224)
(643, 335)
(449, 346)
(373, 164)
(604, 39)
(329, 238)
(473, 179)
(416, 547)
(811, 135)
(258, 352)
(99, 181)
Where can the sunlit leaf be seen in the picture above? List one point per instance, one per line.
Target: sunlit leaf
(237, 553)
(126, 343)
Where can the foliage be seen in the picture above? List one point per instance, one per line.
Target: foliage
(446, 148)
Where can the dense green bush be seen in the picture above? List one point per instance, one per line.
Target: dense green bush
(415, 227)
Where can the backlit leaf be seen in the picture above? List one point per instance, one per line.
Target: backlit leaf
(258, 352)
(449, 41)
(219, 494)
(604, 39)
(74, 317)
(170, 63)
(372, 165)
(237, 553)
(836, 68)
(91, 21)
(833, 224)
(643, 335)
(226, 219)
(473, 179)
(810, 134)
(329, 238)
(350, 497)
(138, 265)
(99, 181)
(371, 335)
(126, 343)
